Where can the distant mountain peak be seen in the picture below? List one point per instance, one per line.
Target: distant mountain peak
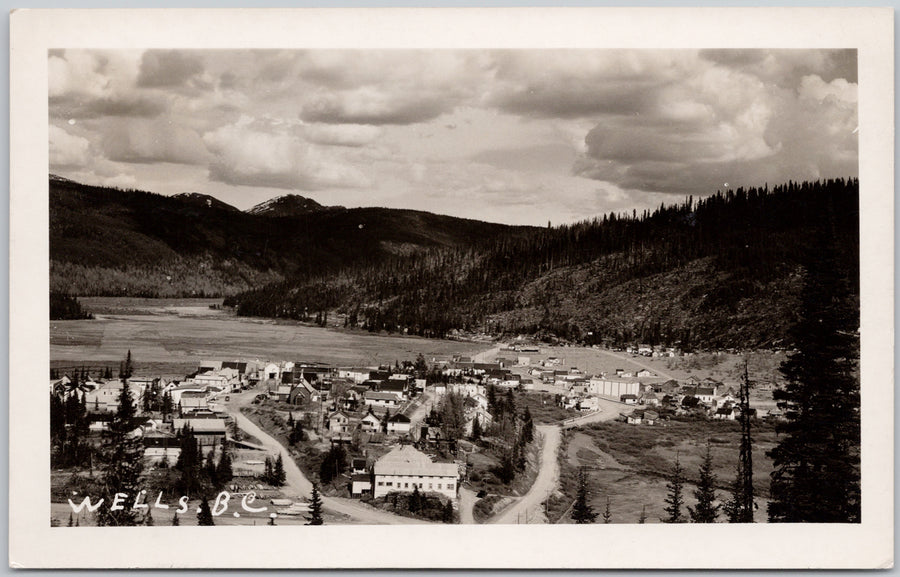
(201, 200)
(58, 178)
(287, 205)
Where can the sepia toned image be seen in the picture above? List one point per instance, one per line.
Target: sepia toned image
(442, 286)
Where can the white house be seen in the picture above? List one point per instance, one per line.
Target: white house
(360, 484)
(399, 424)
(590, 404)
(270, 371)
(357, 375)
(370, 423)
(481, 400)
(105, 398)
(404, 469)
(382, 399)
(466, 389)
(194, 401)
(338, 422)
(483, 417)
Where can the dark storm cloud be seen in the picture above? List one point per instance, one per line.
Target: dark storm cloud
(79, 106)
(167, 68)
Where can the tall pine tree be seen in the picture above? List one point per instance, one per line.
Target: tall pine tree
(675, 498)
(707, 510)
(123, 458)
(582, 512)
(315, 507)
(816, 464)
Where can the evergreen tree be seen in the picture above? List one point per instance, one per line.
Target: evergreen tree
(189, 462)
(211, 470)
(175, 521)
(675, 498)
(741, 506)
(167, 403)
(279, 478)
(415, 500)
(643, 518)
(476, 429)
(123, 458)
(582, 512)
(528, 426)
(267, 474)
(127, 366)
(492, 400)
(315, 507)
(334, 464)
(204, 515)
(816, 476)
(707, 510)
(511, 402)
(506, 472)
(224, 471)
(447, 514)
(71, 520)
(607, 516)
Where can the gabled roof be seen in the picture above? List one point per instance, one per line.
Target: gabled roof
(406, 460)
(381, 396)
(400, 418)
(201, 425)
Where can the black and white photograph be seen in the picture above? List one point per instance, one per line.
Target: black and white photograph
(438, 285)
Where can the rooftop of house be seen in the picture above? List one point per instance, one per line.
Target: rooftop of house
(381, 396)
(200, 425)
(408, 461)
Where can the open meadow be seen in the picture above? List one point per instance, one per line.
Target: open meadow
(169, 335)
(629, 464)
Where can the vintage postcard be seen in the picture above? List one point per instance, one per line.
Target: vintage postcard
(451, 288)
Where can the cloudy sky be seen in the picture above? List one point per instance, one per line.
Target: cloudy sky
(519, 137)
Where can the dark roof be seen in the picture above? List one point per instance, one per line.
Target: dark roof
(240, 366)
(361, 477)
(400, 418)
(393, 385)
(359, 463)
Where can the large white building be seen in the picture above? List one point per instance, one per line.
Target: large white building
(405, 468)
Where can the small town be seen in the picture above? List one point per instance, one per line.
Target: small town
(449, 440)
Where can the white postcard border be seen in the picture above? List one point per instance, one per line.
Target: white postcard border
(34, 544)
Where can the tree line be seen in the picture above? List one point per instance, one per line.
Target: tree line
(752, 236)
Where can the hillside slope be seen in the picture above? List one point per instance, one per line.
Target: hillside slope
(725, 271)
(106, 241)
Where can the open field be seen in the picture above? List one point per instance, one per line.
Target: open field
(629, 464)
(171, 334)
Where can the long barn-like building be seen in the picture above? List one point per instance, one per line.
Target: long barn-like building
(405, 468)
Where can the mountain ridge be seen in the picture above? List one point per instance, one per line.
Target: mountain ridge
(186, 245)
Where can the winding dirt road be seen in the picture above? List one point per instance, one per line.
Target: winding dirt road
(528, 507)
(301, 487)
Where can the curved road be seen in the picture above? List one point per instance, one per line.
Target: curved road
(299, 484)
(467, 500)
(529, 506)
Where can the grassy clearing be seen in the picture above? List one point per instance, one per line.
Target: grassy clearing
(543, 408)
(630, 464)
(163, 336)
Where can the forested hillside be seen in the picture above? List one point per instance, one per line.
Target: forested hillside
(107, 241)
(724, 271)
